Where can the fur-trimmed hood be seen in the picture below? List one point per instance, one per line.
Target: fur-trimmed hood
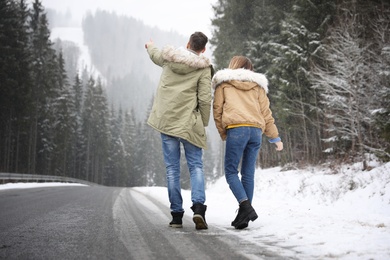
(228, 75)
(183, 61)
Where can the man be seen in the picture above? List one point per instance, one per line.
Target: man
(180, 112)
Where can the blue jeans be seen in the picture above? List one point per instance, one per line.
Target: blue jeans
(171, 150)
(242, 143)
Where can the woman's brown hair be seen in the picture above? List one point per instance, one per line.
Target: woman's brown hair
(240, 62)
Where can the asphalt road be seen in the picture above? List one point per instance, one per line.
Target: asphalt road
(105, 223)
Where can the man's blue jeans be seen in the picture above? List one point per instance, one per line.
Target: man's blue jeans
(171, 150)
(245, 143)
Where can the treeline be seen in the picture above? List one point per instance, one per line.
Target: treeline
(51, 124)
(328, 66)
(328, 63)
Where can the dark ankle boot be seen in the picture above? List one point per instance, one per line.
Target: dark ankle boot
(235, 220)
(245, 213)
(199, 216)
(177, 221)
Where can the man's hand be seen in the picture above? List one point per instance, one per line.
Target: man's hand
(150, 42)
(279, 146)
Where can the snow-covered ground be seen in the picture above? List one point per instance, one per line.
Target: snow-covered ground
(309, 214)
(28, 185)
(304, 214)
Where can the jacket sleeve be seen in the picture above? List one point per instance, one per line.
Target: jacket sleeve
(204, 96)
(271, 131)
(155, 55)
(218, 110)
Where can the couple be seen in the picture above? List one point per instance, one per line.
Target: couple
(181, 111)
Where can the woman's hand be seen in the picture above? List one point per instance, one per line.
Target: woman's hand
(279, 146)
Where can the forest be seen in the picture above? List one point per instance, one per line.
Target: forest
(328, 63)
(57, 121)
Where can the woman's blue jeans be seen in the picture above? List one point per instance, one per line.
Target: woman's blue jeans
(242, 143)
(171, 150)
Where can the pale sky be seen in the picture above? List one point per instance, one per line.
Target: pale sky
(182, 16)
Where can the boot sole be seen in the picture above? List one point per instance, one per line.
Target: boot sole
(176, 225)
(200, 223)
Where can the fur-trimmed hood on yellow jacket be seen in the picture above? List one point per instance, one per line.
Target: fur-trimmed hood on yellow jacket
(240, 98)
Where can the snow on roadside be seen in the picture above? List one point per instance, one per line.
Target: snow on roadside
(308, 214)
(303, 214)
(28, 185)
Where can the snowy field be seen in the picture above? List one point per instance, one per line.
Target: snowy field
(304, 214)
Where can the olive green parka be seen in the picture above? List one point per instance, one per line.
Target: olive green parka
(182, 102)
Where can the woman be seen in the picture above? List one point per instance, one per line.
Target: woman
(242, 114)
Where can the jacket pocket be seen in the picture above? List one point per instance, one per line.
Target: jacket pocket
(198, 126)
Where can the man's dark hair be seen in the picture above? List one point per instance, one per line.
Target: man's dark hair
(198, 41)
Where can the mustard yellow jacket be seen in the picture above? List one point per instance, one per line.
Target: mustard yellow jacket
(240, 97)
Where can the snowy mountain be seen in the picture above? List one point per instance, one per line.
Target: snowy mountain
(76, 35)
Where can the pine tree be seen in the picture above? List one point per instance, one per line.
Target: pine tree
(89, 122)
(116, 167)
(15, 86)
(232, 29)
(75, 148)
(44, 91)
(297, 103)
(71, 55)
(140, 158)
(63, 127)
(150, 150)
(129, 137)
(96, 132)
